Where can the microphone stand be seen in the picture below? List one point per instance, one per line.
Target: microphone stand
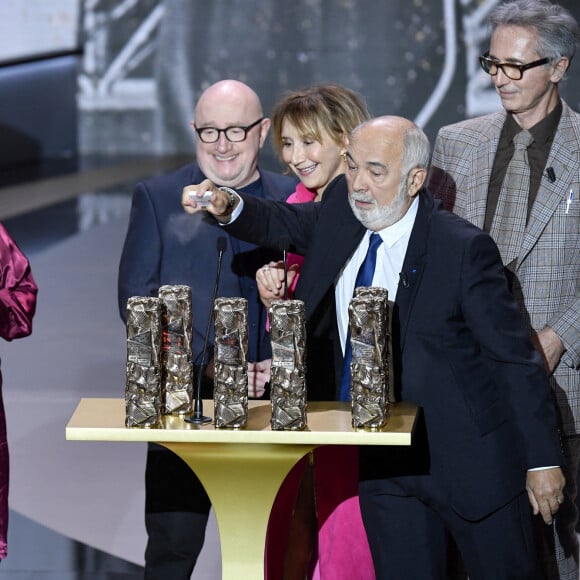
(285, 274)
(283, 245)
(197, 417)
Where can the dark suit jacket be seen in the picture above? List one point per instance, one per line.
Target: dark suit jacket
(461, 348)
(164, 245)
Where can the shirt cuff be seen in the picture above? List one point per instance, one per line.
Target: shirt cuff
(540, 468)
(237, 211)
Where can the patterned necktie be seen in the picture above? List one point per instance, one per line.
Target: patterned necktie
(509, 221)
(363, 278)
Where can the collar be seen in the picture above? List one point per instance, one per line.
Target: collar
(542, 132)
(303, 194)
(393, 233)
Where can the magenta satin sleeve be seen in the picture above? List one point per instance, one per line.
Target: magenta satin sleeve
(17, 306)
(17, 290)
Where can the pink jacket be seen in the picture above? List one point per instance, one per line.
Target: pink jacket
(17, 306)
(301, 195)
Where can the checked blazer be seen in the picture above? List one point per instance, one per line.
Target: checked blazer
(549, 260)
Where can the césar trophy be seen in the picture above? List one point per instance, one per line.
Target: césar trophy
(176, 363)
(370, 315)
(143, 397)
(230, 362)
(288, 371)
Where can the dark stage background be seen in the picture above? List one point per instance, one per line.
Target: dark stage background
(144, 67)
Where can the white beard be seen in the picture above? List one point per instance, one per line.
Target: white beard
(379, 216)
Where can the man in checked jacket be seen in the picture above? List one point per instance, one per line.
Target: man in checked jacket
(532, 45)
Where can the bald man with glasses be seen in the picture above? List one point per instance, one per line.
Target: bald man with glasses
(162, 247)
(516, 174)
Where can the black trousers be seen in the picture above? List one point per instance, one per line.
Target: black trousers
(176, 512)
(408, 538)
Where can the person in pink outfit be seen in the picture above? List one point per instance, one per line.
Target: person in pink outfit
(17, 306)
(315, 529)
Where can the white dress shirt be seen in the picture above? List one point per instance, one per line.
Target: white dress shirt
(390, 258)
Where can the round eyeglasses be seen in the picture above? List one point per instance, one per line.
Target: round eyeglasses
(511, 70)
(233, 134)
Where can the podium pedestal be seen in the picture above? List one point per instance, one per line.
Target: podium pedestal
(241, 469)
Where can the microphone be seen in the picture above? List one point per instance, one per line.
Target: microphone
(198, 418)
(404, 279)
(551, 174)
(283, 246)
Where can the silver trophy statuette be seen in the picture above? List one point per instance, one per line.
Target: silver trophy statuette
(371, 363)
(143, 368)
(288, 371)
(176, 363)
(230, 362)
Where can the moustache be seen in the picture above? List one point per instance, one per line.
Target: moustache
(362, 197)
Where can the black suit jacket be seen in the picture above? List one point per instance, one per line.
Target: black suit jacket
(462, 351)
(164, 245)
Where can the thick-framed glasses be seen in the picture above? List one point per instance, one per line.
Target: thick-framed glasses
(233, 134)
(511, 70)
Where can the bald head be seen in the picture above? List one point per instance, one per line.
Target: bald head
(389, 123)
(401, 135)
(229, 94)
(230, 104)
(386, 128)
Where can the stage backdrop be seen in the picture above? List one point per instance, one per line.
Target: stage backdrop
(145, 62)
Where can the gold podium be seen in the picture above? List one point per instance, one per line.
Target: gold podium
(241, 469)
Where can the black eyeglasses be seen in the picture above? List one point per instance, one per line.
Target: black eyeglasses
(511, 70)
(233, 134)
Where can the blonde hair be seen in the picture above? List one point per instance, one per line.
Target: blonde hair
(325, 107)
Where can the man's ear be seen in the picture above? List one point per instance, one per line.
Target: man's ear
(415, 181)
(264, 128)
(560, 69)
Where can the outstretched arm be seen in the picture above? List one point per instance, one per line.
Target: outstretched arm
(259, 221)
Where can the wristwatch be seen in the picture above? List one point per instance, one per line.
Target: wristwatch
(231, 201)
